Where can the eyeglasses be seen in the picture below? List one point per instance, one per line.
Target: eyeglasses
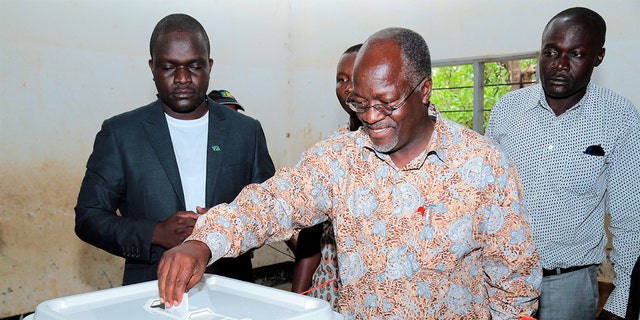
(384, 108)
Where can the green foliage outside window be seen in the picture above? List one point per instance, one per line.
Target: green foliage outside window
(453, 87)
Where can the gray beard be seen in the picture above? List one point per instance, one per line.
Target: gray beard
(388, 147)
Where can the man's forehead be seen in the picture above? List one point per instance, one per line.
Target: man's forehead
(570, 34)
(379, 56)
(378, 84)
(176, 39)
(564, 25)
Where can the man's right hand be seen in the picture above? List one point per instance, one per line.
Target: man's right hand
(180, 269)
(173, 231)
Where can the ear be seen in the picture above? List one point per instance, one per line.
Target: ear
(151, 64)
(425, 90)
(599, 58)
(210, 67)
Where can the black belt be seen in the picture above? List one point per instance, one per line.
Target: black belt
(557, 271)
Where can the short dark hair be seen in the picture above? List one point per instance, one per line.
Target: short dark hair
(178, 22)
(353, 48)
(415, 52)
(587, 15)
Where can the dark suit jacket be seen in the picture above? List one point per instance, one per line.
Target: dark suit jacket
(133, 170)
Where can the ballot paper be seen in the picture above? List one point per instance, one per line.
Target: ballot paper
(181, 310)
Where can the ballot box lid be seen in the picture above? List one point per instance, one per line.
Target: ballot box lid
(214, 297)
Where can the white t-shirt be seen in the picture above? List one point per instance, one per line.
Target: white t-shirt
(189, 139)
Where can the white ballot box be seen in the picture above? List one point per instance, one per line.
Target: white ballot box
(213, 298)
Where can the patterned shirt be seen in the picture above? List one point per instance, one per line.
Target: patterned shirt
(325, 283)
(566, 185)
(443, 237)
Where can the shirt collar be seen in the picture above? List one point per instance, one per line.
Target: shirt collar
(542, 100)
(434, 149)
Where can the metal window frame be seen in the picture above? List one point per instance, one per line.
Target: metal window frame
(478, 73)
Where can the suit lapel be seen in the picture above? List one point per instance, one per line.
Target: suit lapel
(159, 138)
(216, 146)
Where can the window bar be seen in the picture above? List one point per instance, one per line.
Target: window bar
(478, 96)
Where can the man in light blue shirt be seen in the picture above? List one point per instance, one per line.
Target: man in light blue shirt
(577, 149)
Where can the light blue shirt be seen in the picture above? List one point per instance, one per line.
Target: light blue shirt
(568, 191)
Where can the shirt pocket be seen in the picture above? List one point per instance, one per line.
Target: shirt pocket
(581, 172)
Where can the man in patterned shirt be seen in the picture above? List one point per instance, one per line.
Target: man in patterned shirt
(573, 142)
(427, 214)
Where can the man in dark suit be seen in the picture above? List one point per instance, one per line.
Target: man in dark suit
(163, 164)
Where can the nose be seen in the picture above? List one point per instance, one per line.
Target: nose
(370, 116)
(182, 75)
(349, 88)
(561, 62)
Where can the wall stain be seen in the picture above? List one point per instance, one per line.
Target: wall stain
(308, 137)
(41, 258)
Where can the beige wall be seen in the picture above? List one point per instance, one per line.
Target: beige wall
(67, 65)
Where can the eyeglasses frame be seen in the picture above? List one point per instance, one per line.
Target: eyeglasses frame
(384, 108)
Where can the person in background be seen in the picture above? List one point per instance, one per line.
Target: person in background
(155, 169)
(576, 146)
(344, 84)
(224, 97)
(428, 216)
(316, 266)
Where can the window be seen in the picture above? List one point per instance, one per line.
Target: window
(466, 90)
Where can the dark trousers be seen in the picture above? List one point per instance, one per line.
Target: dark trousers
(633, 306)
(239, 268)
